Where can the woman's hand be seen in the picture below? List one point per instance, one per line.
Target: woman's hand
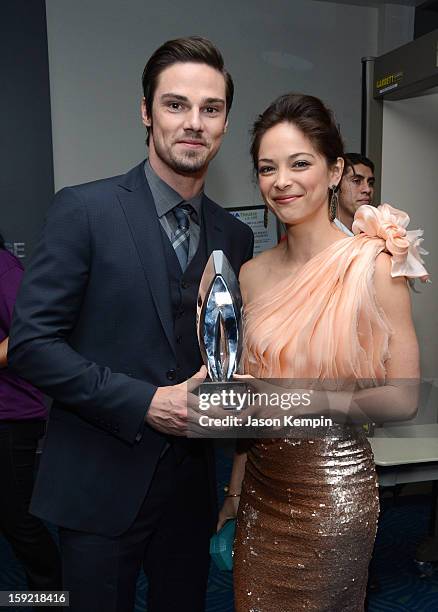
(228, 511)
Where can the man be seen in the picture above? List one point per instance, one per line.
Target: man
(356, 188)
(105, 324)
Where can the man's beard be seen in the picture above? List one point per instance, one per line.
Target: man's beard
(189, 162)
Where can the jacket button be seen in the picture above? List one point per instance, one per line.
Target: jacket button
(184, 285)
(171, 374)
(178, 339)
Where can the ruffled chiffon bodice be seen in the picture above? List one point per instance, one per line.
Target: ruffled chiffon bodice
(325, 323)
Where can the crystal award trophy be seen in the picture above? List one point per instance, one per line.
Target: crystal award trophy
(219, 326)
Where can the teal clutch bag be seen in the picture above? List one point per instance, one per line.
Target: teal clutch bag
(221, 546)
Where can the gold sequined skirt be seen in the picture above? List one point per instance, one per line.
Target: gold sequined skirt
(306, 524)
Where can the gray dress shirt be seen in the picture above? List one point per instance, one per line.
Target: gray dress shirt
(166, 199)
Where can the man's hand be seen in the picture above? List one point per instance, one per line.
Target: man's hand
(169, 407)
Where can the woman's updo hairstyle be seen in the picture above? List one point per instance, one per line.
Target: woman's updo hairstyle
(307, 113)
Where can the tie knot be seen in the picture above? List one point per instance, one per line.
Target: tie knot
(182, 214)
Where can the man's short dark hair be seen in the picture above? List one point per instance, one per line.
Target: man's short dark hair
(191, 49)
(352, 159)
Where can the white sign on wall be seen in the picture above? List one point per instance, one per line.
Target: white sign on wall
(264, 237)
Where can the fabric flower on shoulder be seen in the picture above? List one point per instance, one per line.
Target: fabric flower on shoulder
(390, 224)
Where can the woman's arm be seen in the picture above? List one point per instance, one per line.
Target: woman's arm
(237, 472)
(3, 352)
(397, 400)
(232, 498)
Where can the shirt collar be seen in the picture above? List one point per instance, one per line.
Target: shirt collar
(343, 227)
(165, 197)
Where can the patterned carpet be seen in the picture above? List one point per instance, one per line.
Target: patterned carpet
(401, 588)
(401, 528)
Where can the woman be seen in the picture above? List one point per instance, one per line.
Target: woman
(335, 310)
(22, 423)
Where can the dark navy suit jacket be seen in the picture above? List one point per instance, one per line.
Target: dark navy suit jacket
(93, 328)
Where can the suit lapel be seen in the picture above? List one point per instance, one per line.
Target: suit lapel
(215, 237)
(219, 234)
(136, 200)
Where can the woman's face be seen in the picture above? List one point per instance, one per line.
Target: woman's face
(293, 177)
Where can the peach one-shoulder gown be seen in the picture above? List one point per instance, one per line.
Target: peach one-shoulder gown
(309, 506)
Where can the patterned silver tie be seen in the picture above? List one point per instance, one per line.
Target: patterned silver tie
(181, 236)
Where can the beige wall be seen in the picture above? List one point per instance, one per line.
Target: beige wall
(97, 51)
(410, 182)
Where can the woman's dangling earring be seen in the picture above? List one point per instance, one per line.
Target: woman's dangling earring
(265, 217)
(334, 201)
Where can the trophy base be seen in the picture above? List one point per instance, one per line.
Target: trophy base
(229, 395)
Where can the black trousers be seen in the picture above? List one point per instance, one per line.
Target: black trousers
(27, 535)
(169, 540)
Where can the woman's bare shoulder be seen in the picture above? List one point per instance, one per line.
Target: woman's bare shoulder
(254, 271)
(257, 265)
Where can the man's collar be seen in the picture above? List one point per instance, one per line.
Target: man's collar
(165, 197)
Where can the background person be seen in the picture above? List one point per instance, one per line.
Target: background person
(356, 188)
(23, 415)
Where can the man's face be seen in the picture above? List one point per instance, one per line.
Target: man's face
(357, 188)
(188, 118)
